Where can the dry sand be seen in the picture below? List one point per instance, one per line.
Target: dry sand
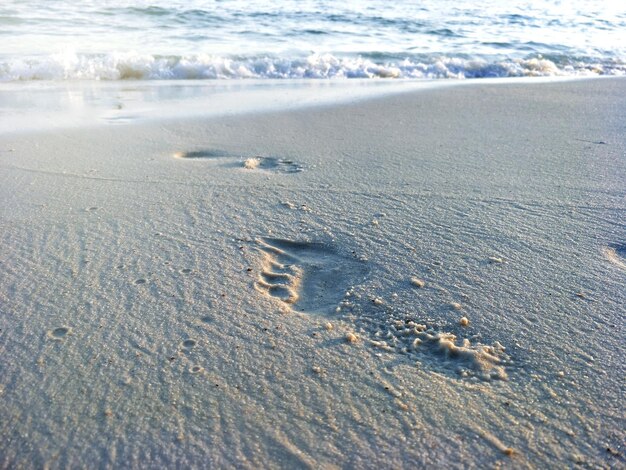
(425, 279)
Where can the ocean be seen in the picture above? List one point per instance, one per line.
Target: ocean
(195, 39)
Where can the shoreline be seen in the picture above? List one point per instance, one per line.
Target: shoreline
(38, 106)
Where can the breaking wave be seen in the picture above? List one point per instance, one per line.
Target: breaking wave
(124, 66)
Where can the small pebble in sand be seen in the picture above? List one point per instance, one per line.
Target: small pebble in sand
(329, 326)
(508, 451)
(377, 301)
(456, 305)
(581, 295)
(495, 260)
(417, 282)
(351, 338)
(251, 163)
(403, 406)
(464, 321)
(318, 370)
(374, 222)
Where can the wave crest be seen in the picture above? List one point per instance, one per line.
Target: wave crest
(124, 66)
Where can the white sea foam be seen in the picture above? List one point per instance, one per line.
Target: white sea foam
(133, 65)
(193, 39)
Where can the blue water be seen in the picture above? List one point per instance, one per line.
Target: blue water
(117, 39)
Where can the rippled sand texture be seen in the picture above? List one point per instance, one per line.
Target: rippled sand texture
(419, 280)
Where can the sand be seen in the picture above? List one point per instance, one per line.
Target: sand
(242, 289)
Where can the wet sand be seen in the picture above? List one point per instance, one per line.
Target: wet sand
(417, 279)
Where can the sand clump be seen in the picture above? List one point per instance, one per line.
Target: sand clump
(612, 254)
(483, 361)
(252, 163)
(460, 356)
(351, 337)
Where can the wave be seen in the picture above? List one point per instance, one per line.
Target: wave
(125, 66)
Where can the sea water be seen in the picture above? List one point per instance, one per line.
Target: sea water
(226, 39)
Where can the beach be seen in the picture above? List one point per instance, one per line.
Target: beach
(396, 277)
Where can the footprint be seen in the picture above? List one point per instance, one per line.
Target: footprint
(310, 277)
(59, 333)
(257, 162)
(199, 154)
(616, 254)
(445, 352)
(277, 165)
(188, 343)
